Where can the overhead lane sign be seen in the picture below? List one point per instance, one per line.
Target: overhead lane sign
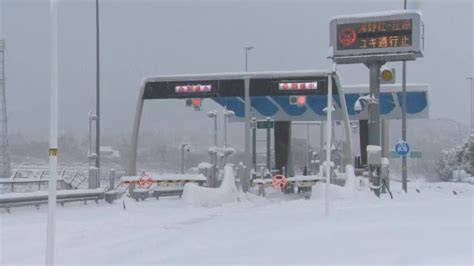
(385, 36)
(378, 34)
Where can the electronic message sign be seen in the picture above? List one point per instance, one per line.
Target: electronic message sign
(391, 35)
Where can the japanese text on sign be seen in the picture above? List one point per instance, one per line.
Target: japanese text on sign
(379, 34)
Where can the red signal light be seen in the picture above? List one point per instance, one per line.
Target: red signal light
(301, 100)
(196, 102)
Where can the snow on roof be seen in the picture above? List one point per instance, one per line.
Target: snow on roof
(238, 75)
(167, 177)
(377, 14)
(296, 178)
(396, 87)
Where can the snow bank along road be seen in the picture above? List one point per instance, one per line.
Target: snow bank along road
(433, 226)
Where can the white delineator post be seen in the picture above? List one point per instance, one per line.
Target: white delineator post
(328, 141)
(53, 138)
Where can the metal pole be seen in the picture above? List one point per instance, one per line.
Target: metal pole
(374, 109)
(321, 142)
(268, 146)
(307, 147)
(111, 179)
(182, 158)
(328, 141)
(374, 114)
(472, 111)
(246, 65)
(90, 138)
(247, 48)
(97, 112)
(254, 144)
(404, 118)
(248, 149)
(225, 128)
(53, 138)
(214, 154)
(215, 128)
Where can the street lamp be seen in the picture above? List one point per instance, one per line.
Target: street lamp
(91, 155)
(227, 114)
(97, 111)
(213, 114)
(187, 148)
(213, 152)
(247, 49)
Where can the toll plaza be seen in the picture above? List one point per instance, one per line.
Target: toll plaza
(275, 100)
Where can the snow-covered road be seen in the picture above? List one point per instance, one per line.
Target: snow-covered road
(433, 226)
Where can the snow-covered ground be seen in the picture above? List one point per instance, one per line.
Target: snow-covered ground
(430, 226)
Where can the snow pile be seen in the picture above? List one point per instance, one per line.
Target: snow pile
(354, 188)
(335, 192)
(195, 195)
(352, 182)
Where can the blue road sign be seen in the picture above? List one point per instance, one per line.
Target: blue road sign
(402, 148)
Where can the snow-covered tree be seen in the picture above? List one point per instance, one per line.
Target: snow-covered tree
(460, 158)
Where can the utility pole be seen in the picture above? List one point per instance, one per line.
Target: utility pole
(97, 111)
(5, 170)
(404, 118)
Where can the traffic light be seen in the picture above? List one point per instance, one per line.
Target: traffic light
(387, 75)
(299, 100)
(196, 103)
(189, 102)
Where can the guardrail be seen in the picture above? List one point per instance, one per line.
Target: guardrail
(36, 179)
(10, 200)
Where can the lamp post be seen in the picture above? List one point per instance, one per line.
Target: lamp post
(97, 111)
(91, 155)
(53, 134)
(247, 49)
(213, 114)
(227, 114)
(472, 100)
(184, 147)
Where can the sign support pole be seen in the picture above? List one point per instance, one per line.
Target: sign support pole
(374, 114)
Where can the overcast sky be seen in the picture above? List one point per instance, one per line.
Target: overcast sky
(141, 38)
